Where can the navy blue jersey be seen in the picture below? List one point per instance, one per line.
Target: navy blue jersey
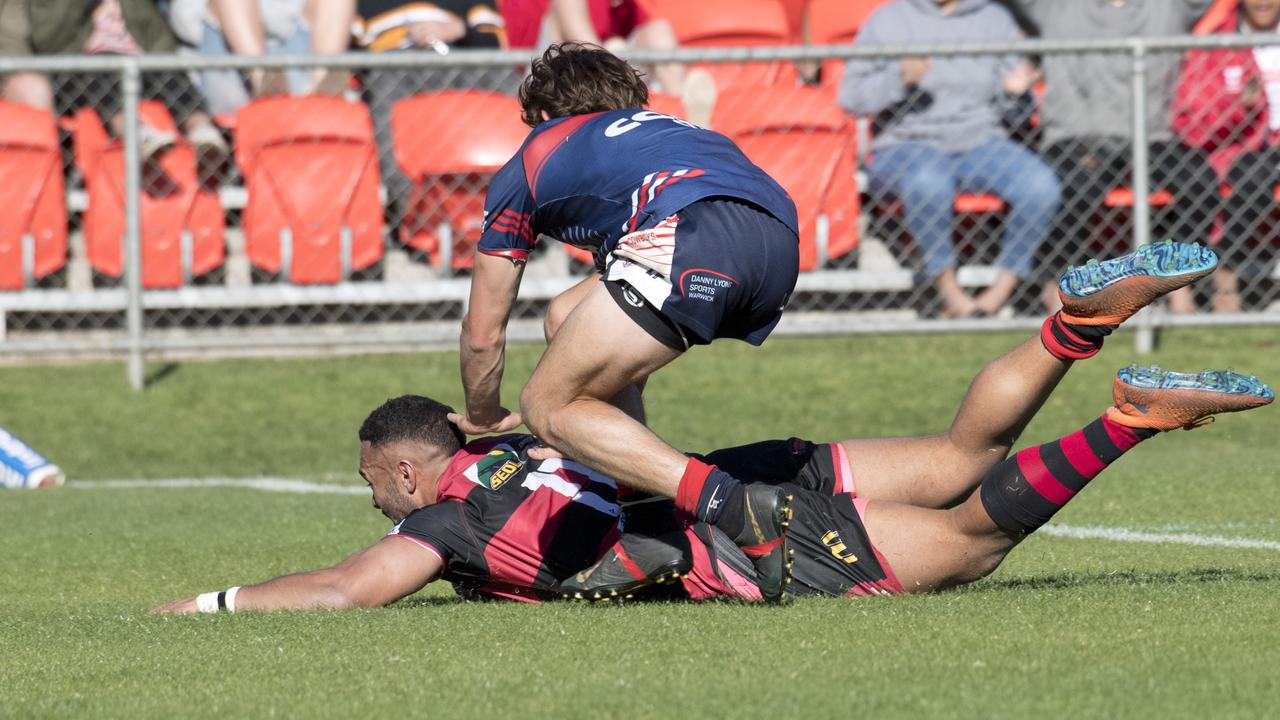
(587, 180)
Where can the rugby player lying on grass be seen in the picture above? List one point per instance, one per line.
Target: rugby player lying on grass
(879, 516)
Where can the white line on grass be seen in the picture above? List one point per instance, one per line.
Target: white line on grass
(1123, 535)
(270, 484)
(289, 485)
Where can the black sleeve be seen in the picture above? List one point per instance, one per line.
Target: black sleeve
(439, 528)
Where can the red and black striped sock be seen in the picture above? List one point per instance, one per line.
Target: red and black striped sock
(1024, 491)
(1069, 341)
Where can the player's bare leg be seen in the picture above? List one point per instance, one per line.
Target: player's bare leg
(934, 549)
(629, 399)
(596, 353)
(941, 470)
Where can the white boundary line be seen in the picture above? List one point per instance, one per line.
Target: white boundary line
(1084, 532)
(291, 485)
(269, 484)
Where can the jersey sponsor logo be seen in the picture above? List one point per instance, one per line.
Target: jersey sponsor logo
(494, 469)
(838, 548)
(704, 284)
(623, 126)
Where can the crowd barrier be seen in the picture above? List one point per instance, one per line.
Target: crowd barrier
(349, 222)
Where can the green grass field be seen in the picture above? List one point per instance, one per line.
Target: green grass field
(1067, 627)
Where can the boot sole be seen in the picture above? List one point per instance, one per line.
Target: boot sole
(1111, 291)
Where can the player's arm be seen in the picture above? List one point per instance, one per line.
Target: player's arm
(375, 576)
(495, 281)
(504, 247)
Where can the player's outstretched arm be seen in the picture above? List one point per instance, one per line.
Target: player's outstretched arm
(482, 345)
(377, 575)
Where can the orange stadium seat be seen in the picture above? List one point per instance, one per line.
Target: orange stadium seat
(182, 223)
(720, 23)
(806, 143)
(33, 228)
(449, 143)
(311, 173)
(836, 22)
(666, 104)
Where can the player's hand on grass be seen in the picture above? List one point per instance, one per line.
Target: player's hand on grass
(176, 607)
(502, 422)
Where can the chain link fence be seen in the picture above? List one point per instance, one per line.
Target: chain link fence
(137, 224)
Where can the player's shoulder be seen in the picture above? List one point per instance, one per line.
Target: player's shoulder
(488, 462)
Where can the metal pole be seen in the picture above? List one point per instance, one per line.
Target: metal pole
(131, 86)
(1144, 338)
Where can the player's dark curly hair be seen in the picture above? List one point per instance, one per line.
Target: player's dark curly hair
(579, 78)
(412, 417)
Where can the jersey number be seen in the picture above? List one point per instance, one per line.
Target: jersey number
(625, 125)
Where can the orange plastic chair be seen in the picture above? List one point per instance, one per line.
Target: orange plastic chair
(33, 228)
(666, 104)
(837, 22)
(311, 174)
(799, 137)
(450, 143)
(182, 223)
(720, 23)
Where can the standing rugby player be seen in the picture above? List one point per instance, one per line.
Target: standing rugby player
(692, 243)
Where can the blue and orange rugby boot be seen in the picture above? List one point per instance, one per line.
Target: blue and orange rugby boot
(1150, 397)
(1108, 292)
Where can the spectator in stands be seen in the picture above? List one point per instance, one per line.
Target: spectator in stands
(122, 27)
(403, 26)
(1086, 119)
(264, 27)
(1228, 105)
(26, 88)
(614, 24)
(940, 133)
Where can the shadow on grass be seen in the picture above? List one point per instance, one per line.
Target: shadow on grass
(160, 374)
(1128, 578)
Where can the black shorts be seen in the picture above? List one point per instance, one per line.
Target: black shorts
(833, 555)
(719, 268)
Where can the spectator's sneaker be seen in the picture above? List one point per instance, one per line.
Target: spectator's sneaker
(1149, 397)
(1108, 292)
(764, 538)
(634, 562)
(210, 146)
(152, 142)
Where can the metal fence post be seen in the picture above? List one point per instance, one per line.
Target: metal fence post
(131, 87)
(1144, 339)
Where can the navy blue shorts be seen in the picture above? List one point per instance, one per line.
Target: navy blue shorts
(719, 268)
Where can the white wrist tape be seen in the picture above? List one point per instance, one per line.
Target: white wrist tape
(207, 602)
(231, 598)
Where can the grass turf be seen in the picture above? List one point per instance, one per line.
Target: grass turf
(1086, 627)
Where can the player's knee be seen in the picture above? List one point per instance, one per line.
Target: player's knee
(534, 408)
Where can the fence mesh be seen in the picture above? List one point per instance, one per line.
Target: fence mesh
(321, 215)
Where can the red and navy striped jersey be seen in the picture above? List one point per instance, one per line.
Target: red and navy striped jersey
(512, 527)
(587, 180)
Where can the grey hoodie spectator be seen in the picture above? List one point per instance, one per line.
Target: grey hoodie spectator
(940, 133)
(1087, 121)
